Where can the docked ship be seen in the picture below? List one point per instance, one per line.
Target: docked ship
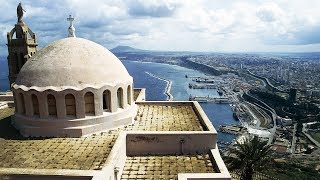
(220, 91)
(235, 116)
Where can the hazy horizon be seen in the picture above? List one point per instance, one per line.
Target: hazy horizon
(226, 52)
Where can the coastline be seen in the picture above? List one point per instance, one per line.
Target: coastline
(168, 86)
(205, 69)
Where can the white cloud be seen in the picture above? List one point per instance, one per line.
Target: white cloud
(202, 25)
(152, 8)
(270, 12)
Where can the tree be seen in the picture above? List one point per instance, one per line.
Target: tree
(249, 157)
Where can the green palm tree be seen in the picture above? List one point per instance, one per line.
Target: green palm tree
(249, 157)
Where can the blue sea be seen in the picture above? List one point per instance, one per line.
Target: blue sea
(219, 114)
(4, 81)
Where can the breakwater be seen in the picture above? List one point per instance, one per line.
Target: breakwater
(168, 87)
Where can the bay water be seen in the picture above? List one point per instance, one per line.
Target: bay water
(219, 114)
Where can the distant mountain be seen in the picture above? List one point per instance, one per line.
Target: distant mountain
(120, 49)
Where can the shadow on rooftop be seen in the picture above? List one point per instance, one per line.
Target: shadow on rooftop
(9, 132)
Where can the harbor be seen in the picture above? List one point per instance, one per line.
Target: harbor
(209, 82)
(230, 89)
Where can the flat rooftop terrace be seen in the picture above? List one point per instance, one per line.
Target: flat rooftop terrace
(165, 167)
(155, 117)
(88, 153)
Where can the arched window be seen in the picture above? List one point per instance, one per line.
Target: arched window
(106, 100)
(70, 105)
(89, 103)
(129, 95)
(35, 104)
(120, 97)
(22, 105)
(52, 108)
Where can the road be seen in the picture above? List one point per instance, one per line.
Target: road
(294, 139)
(274, 116)
(304, 131)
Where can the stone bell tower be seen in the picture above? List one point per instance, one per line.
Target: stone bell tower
(20, 48)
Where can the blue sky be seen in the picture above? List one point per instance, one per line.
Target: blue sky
(191, 25)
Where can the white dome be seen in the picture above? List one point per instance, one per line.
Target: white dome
(74, 63)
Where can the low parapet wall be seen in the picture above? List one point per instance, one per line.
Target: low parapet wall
(116, 160)
(6, 96)
(203, 117)
(51, 174)
(162, 143)
(142, 94)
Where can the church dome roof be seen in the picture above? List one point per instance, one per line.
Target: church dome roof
(74, 63)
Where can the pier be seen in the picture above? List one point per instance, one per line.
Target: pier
(223, 100)
(231, 129)
(203, 80)
(206, 79)
(203, 86)
(201, 77)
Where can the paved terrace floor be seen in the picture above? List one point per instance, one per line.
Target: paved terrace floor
(165, 167)
(87, 153)
(165, 118)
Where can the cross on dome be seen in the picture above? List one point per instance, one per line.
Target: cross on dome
(71, 28)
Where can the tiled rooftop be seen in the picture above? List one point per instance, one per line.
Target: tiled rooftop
(165, 118)
(87, 153)
(165, 167)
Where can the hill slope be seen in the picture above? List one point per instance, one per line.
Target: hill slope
(119, 49)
